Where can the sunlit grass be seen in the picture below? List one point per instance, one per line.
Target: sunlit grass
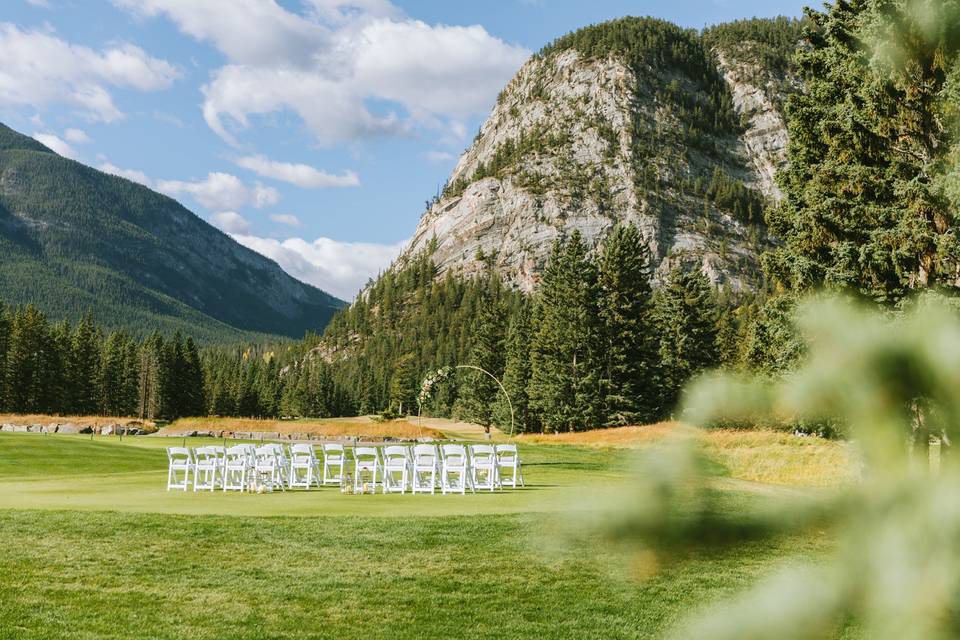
(767, 456)
(96, 548)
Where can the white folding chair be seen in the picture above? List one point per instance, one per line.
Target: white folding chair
(425, 469)
(268, 469)
(334, 463)
(508, 459)
(396, 469)
(220, 452)
(237, 468)
(206, 469)
(179, 468)
(366, 460)
(483, 466)
(455, 469)
(304, 467)
(282, 461)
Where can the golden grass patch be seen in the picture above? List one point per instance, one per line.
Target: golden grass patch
(362, 427)
(93, 421)
(764, 455)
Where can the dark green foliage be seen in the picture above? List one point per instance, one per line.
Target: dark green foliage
(685, 312)
(31, 364)
(74, 371)
(83, 368)
(516, 374)
(647, 44)
(138, 259)
(868, 205)
(774, 344)
(403, 384)
(479, 392)
(565, 385)
(765, 49)
(629, 350)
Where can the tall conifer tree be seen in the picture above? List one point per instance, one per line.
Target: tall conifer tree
(630, 362)
(685, 313)
(566, 368)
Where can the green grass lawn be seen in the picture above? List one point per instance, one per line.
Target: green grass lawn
(94, 547)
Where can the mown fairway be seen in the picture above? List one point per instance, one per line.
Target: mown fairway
(94, 547)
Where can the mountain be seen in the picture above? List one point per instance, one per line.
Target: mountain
(73, 238)
(636, 120)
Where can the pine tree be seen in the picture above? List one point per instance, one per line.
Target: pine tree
(685, 313)
(478, 392)
(83, 368)
(630, 358)
(151, 366)
(870, 202)
(118, 375)
(193, 393)
(565, 359)
(516, 374)
(29, 362)
(5, 321)
(403, 384)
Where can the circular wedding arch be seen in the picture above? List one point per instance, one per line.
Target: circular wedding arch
(492, 377)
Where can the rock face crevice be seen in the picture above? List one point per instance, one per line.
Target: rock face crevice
(582, 143)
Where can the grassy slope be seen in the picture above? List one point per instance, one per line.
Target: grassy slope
(113, 555)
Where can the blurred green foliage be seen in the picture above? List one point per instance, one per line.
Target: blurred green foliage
(892, 379)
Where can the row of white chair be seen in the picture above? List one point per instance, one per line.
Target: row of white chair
(419, 468)
(422, 468)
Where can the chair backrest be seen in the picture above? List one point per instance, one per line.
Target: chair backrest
(506, 451)
(424, 453)
(205, 455)
(237, 453)
(301, 451)
(482, 450)
(179, 455)
(454, 454)
(366, 454)
(332, 449)
(396, 453)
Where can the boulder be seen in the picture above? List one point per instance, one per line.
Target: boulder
(72, 428)
(107, 429)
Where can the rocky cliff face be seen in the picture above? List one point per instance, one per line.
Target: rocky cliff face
(591, 133)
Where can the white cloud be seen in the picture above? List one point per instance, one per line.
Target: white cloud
(221, 191)
(330, 63)
(301, 175)
(57, 144)
(286, 218)
(246, 31)
(340, 268)
(230, 222)
(439, 156)
(129, 174)
(40, 69)
(78, 136)
(42, 4)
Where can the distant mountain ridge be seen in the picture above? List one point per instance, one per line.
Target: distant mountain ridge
(635, 120)
(73, 238)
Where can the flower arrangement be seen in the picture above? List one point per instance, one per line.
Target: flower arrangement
(431, 381)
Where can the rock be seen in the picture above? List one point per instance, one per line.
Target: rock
(72, 428)
(107, 430)
(512, 218)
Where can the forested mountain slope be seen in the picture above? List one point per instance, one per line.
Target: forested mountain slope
(73, 238)
(634, 120)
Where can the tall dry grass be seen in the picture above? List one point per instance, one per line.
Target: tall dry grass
(767, 456)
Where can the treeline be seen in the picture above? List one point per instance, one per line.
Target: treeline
(78, 370)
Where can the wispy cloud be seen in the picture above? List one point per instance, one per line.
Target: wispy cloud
(341, 268)
(301, 175)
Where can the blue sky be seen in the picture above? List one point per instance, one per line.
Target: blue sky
(310, 130)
